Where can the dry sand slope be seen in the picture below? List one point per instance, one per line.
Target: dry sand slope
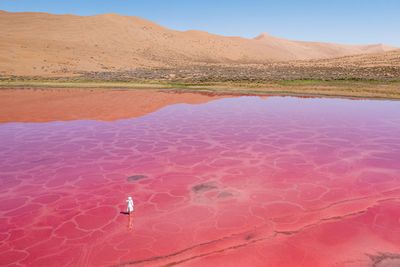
(386, 59)
(45, 44)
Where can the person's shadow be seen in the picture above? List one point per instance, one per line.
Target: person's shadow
(124, 212)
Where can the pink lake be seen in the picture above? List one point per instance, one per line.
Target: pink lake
(245, 181)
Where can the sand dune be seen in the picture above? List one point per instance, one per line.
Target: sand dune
(45, 44)
(389, 59)
(300, 50)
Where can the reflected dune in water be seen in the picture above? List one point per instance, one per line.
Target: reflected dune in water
(45, 105)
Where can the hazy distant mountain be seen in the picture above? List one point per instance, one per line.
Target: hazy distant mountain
(46, 44)
(317, 50)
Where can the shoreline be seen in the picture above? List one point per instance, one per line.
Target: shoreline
(348, 89)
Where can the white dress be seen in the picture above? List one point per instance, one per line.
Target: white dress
(129, 208)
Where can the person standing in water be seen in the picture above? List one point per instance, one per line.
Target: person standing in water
(130, 205)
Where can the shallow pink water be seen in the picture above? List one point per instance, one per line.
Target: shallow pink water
(235, 182)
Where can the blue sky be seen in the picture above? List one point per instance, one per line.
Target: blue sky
(343, 21)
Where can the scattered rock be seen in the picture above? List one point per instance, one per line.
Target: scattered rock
(225, 194)
(385, 260)
(204, 187)
(249, 237)
(135, 178)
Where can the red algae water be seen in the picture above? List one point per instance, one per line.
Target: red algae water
(242, 181)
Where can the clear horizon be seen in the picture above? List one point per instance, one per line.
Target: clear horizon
(347, 22)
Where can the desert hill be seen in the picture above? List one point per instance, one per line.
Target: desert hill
(300, 50)
(46, 44)
(386, 59)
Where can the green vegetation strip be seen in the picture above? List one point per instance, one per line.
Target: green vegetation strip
(333, 88)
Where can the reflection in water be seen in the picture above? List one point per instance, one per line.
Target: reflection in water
(129, 219)
(130, 222)
(242, 181)
(74, 104)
